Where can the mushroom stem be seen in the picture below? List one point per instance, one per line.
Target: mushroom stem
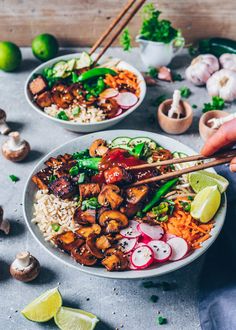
(15, 142)
(23, 259)
(175, 106)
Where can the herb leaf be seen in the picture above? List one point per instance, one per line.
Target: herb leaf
(91, 203)
(62, 115)
(125, 40)
(161, 320)
(13, 178)
(177, 76)
(217, 103)
(185, 92)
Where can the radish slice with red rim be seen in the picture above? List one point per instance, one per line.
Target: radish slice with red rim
(119, 112)
(127, 244)
(131, 231)
(179, 248)
(167, 236)
(162, 250)
(142, 257)
(126, 99)
(144, 239)
(153, 232)
(109, 93)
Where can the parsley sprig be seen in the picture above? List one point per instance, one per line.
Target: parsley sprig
(125, 40)
(217, 103)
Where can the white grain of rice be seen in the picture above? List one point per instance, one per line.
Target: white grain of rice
(48, 210)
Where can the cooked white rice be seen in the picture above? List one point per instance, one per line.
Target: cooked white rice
(86, 115)
(48, 210)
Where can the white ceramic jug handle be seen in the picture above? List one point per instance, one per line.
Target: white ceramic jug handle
(177, 49)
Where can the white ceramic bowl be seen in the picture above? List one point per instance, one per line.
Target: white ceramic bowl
(91, 127)
(81, 143)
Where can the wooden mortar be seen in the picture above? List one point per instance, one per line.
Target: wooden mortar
(205, 130)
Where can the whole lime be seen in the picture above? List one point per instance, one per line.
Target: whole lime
(45, 46)
(10, 56)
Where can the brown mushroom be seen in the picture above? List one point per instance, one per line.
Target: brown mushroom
(87, 217)
(115, 262)
(98, 148)
(4, 128)
(113, 221)
(102, 243)
(4, 224)
(136, 194)
(109, 195)
(25, 267)
(15, 149)
(114, 238)
(68, 241)
(92, 247)
(83, 256)
(86, 231)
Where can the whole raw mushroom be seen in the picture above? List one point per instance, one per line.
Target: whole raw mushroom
(25, 267)
(4, 128)
(4, 224)
(15, 148)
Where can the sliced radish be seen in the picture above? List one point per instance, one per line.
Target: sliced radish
(167, 236)
(109, 93)
(144, 239)
(126, 99)
(162, 250)
(179, 248)
(139, 244)
(153, 232)
(127, 244)
(131, 231)
(142, 257)
(119, 112)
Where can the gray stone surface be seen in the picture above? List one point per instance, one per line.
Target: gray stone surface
(116, 303)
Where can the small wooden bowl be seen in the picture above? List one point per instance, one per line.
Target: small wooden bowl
(173, 125)
(205, 130)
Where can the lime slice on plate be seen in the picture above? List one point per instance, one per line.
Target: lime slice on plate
(201, 179)
(206, 204)
(44, 307)
(75, 319)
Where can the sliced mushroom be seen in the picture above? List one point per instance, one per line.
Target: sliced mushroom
(130, 209)
(86, 231)
(68, 241)
(15, 149)
(25, 267)
(116, 261)
(92, 247)
(111, 251)
(4, 223)
(113, 221)
(98, 148)
(109, 195)
(136, 194)
(83, 256)
(114, 238)
(102, 243)
(87, 217)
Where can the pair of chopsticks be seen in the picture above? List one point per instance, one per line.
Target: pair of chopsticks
(113, 25)
(220, 159)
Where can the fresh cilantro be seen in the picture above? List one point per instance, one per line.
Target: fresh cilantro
(55, 226)
(13, 178)
(154, 298)
(125, 40)
(153, 72)
(185, 92)
(160, 99)
(81, 154)
(194, 106)
(91, 203)
(161, 320)
(177, 76)
(153, 28)
(62, 115)
(217, 103)
(186, 206)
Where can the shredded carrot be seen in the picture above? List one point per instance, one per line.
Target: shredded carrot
(124, 79)
(181, 224)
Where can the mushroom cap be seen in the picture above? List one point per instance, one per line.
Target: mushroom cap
(3, 115)
(98, 148)
(25, 274)
(15, 155)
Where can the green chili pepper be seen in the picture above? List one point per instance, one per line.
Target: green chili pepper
(96, 72)
(161, 192)
(91, 163)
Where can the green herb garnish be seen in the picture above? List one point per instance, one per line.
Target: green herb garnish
(13, 178)
(161, 320)
(153, 28)
(186, 206)
(81, 154)
(74, 170)
(154, 298)
(62, 115)
(52, 178)
(91, 203)
(55, 226)
(177, 76)
(185, 92)
(153, 72)
(160, 99)
(194, 106)
(217, 103)
(125, 40)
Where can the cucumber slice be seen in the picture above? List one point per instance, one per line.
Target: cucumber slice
(181, 166)
(123, 140)
(70, 64)
(122, 146)
(84, 61)
(178, 154)
(59, 69)
(151, 144)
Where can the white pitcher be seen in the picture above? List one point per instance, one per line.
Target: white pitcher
(156, 54)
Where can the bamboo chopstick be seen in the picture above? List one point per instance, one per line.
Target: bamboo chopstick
(121, 27)
(111, 26)
(191, 169)
(183, 160)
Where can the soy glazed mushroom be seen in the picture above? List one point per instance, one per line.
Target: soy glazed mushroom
(15, 148)
(4, 224)
(4, 128)
(25, 267)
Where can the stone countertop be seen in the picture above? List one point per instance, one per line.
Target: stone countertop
(118, 304)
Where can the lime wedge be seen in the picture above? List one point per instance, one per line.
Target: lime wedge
(75, 319)
(44, 307)
(206, 204)
(201, 179)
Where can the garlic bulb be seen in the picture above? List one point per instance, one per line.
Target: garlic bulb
(222, 83)
(201, 68)
(228, 61)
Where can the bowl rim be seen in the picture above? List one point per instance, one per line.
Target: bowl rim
(142, 83)
(146, 273)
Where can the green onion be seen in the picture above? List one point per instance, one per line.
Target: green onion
(81, 178)
(62, 115)
(55, 226)
(161, 320)
(13, 178)
(91, 203)
(194, 106)
(74, 171)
